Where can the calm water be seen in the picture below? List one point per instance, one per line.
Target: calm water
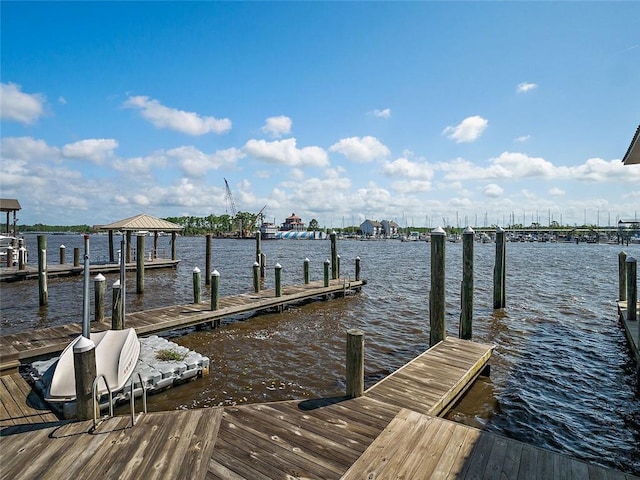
(561, 374)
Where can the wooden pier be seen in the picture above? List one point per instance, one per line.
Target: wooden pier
(30, 272)
(25, 346)
(631, 328)
(378, 435)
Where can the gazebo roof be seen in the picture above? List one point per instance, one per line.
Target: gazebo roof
(9, 205)
(633, 152)
(143, 222)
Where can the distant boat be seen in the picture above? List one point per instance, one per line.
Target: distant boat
(117, 353)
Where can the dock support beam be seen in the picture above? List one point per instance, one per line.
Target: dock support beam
(43, 294)
(622, 276)
(84, 360)
(499, 272)
(437, 330)
(355, 363)
(466, 313)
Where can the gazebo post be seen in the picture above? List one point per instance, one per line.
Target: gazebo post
(128, 257)
(155, 245)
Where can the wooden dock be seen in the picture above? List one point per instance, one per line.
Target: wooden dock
(26, 346)
(376, 436)
(30, 272)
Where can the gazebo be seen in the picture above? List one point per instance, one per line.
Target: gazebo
(10, 205)
(142, 224)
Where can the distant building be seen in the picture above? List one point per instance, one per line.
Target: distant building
(293, 223)
(371, 228)
(389, 228)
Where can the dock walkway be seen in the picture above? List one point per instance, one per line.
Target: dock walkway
(25, 346)
(631, 328)
(30, 272)
(351, 438)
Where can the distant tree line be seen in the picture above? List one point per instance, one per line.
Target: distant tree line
(40, 227)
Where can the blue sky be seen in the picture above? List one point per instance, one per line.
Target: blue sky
(421, 112)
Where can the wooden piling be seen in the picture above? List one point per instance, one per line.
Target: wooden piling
(355, 363)
(9, 256)
(99, 289)
(337, 266)
(84, 363)
(437, 329)
(139, 264)
(76, 257)
(22, 252)
(499, 270)
(256, 277)
(632, 289)
(215, 289)
(263, 265)
(326, 272)
(622, 276)
(128, 247)
(466, 313)
(43, 294)
(117, 322)
(63, 254)
(258, 246)
(174, 236)
(197, 289)
(111, 250)
(278, 272)
(357, 269)
(334, 255)
(208, 259)
(305, 270)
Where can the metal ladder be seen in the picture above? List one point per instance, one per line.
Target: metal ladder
(132, 400)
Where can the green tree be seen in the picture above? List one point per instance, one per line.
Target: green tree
(313, 225)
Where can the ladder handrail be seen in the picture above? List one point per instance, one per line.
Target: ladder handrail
(132, 401)
(96, 401)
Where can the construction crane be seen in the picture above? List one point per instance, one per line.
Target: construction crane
(253, 223)
(230, 202)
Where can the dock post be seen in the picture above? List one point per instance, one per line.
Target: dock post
(174, 236)
(99, 289)
(9, 256)
(258, 246)
(306, 271)
(338, 266)
(207, 260)
(21, 254)
(197, 296)
(499, 271)
(278, 269)
(117, 322)
(139, 263)
(256, 277)
(437, 330)
(263, 265)
(128, 249)
(84, 362)
(466, 314)
(63, 254)
(357, 269)
(622, 276)
(334, 256)
(326, 272)
(215, 288)
(76, 257)
(632, 289)
(42, 270)
(355, 363)
(111, 257)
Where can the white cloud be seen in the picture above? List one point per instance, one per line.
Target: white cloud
(141, 165)
(27, 149)
(412, 186)
(178, 120)
(493, 191)
(18, 106)
(522, 139)
(195, 163)
(361, 149)
(386, 113)
(96, 150)
(525, 87)
(277, 126)
(556, 192)
(62, 100)
(469, 130)
(285, 152)
(406, 168)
